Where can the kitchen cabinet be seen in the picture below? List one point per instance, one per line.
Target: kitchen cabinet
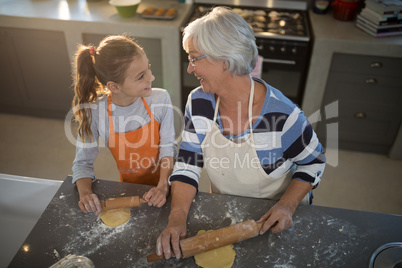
(369, 92)
(331, 37)
(35, 72)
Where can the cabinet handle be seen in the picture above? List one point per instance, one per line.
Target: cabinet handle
(360, 115)
(371, 81)
(376, 64)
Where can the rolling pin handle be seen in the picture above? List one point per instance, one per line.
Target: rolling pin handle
(154, 257)
(259, 226)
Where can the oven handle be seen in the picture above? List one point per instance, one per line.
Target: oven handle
(288, 62)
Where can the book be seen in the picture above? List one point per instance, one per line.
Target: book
(376, 16)
(375, 33)
(384, 5)
(397, 28)
(378, 24)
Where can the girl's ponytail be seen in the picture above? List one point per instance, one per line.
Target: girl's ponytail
(87, 88)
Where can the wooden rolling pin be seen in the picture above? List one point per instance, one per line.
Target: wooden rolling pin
(215, 239)
(123, 202)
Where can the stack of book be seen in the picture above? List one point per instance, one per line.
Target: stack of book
(381, 18)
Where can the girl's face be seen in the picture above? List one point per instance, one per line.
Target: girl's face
(210, 73)
(138, 79)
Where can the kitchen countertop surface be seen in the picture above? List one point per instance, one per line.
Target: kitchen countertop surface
(319, 237)
(89, 11)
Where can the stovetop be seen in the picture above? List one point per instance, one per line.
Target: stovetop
(273, 23)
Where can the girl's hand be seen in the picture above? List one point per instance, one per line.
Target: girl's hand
(90, 203)
(157, 196)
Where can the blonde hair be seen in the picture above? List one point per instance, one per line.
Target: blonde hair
(93, 68)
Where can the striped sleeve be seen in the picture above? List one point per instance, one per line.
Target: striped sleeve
(197, 121)
(301, 146)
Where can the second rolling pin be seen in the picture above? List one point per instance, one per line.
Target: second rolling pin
(123, 202)
(215, 239)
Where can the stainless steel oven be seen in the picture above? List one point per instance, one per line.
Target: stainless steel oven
(282, 32)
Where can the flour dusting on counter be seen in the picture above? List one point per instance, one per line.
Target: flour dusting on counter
(235, 211)
(92, 238)
(85, 242)
(324, 250)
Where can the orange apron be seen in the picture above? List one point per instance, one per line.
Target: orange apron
(136, 152)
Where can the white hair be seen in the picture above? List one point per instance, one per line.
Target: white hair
(224, 35)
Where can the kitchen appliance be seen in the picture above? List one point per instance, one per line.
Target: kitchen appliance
(282, 32)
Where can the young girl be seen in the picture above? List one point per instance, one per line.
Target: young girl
(114, 101)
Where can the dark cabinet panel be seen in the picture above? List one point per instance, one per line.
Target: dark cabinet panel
(39, 70)
(10, 75)
(369, 101)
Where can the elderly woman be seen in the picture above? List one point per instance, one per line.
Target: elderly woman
(251, 140)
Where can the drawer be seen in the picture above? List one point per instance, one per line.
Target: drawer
(371, 65)
(367, 123)
(364, 88)
(362, 127)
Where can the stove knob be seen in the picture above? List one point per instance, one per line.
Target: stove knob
(271, 48)
(294, 50)
(283, 49)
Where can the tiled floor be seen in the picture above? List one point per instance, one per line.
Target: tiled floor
(38, 147)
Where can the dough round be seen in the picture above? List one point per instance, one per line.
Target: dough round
(115, 217)
(217, 258)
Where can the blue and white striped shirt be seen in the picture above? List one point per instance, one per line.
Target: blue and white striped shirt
(282, 134)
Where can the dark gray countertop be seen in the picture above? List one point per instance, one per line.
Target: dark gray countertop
(319, 237)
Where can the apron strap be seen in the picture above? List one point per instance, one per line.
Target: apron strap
(147, 107)
(250, 106)
(216, 108)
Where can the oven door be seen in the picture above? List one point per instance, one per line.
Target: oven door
(285, 66)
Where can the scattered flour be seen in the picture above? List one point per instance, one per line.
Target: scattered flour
(235, 212)
(333, 250)
(89, 241)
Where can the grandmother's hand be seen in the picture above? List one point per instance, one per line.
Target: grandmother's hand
(278, 218)
(167, 243)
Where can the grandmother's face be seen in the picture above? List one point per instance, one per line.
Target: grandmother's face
(210, 72)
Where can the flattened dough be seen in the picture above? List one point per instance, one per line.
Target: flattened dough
(218, 258)
(115, 217)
